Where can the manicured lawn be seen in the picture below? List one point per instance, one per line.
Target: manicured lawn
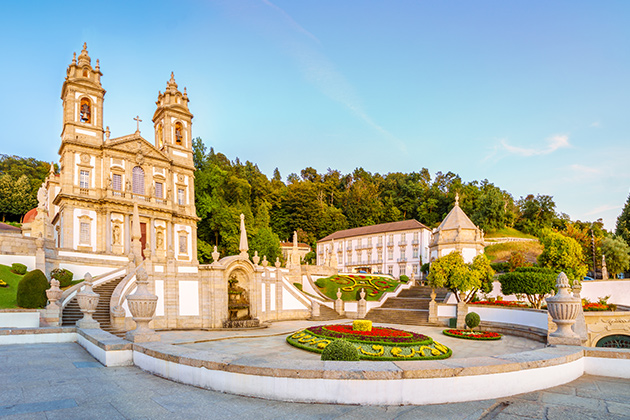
(502, 252)
(374, 286)
(508, 232)
(7, 294)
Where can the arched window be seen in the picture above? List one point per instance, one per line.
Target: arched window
(85, 115)
(138, 180)
(179, 133)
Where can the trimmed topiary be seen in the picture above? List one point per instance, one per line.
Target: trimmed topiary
(31, 290)
(472, 320)
(320, 283)
(404, 279)
(18, 268)
(63, 276)
(341, 350)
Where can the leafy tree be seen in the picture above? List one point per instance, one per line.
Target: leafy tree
(562, 253)
(623, 222)
(266, 243)
(535, 282)
(617, 254)
(452, 272)
(536, 213)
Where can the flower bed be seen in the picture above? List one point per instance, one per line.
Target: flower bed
(597, 307)
(378, 344)
(473, 335)
(351, 284)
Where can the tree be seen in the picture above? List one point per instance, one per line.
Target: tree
(536, 213)
(452, 272)
(535, 282)
(562, 253)
(623, 223)
(617, 254)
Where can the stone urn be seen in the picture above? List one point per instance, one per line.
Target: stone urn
(563, 308)
(54, 293)
(88, 301)
(142, 306)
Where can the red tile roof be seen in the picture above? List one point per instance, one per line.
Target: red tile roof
(374, 229)
(30, 216)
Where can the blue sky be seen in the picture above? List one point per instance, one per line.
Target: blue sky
(532, 95)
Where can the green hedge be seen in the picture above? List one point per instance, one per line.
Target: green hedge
(31, 291)
(63, 276)
(18, 268)
(341, 350)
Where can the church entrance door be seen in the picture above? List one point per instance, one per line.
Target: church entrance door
(143, 237)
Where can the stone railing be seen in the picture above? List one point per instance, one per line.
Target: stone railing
(71, 292)
(125, 287)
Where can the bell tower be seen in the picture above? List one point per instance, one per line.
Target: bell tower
(82, 96)
(172, 122)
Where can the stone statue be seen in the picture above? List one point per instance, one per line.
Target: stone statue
(109, 183)
(128, 186)
(42, 198)
(116, 235)
(159, 240)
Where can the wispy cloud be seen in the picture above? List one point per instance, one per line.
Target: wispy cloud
(307, 51)
(602, 209)
(595, 124)
(584, 169)
(503, 148)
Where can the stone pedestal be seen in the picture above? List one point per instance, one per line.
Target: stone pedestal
(462, 311)
(52, 313)
(433, 312)
(142, 306)
(339, 307)
(315, 310)
(88, 301)
(563, 309)
(362, 305)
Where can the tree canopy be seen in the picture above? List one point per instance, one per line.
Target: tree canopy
(617, 254)
(561, 253)
(452, 272)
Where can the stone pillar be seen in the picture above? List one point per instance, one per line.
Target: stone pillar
(462, 311)
(52, 313)
(40, 254)
(339, 307)
(362, 305)
(433, 311)
(88, 301)
(108, 232)
(563, 309)
(142, 306)
(315, 310)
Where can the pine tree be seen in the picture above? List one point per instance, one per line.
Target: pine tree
(623, 223)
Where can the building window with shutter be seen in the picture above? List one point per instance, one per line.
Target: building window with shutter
(84, 233)
(181, 197)
(117, 182)
(159, 190)
(138, 180)
(84, 179)
(183, 244)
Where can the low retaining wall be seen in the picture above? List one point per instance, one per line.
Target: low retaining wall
(19, 318)
(38, 335)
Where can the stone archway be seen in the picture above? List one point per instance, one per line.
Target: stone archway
(241, 295)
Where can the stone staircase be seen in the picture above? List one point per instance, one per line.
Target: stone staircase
(410, 307)
(326, 314)
(72, 312)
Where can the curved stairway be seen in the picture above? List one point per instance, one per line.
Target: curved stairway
(72, 313)
(410, 307)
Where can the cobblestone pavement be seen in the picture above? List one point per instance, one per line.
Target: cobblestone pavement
(62, 381)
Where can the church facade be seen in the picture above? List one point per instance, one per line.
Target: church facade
(90, 202)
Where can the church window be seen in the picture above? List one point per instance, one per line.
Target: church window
(84, 233)
(138, 180)
(84, 179)
(183, 244)
(181, 198)
(159, 190)
(117, 182)
(86, 111)
(179, 133)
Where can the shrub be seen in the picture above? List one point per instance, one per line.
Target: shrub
(424, 268)
(472, 320)
(18, 268)
(362, 325)
(31, 290)
(404, 279)
(534, 282)
(63, 276)
(320, 283)
(341, 350)
(500, 267)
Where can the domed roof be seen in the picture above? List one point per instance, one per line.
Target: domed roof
(30, 216)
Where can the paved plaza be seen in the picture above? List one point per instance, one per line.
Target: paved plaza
(62, 381)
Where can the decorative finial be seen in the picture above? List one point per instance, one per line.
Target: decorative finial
(138, 121)
(74, 58)
(107, 133)
(243, 247)
(84, 47)
(457, 199)
(215, 254)
(52, 168)
(172, 76)
(98, 65)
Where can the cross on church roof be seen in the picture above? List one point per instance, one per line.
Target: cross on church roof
(138, 121)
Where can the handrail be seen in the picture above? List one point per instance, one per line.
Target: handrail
(71, 292)
(118, 296)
